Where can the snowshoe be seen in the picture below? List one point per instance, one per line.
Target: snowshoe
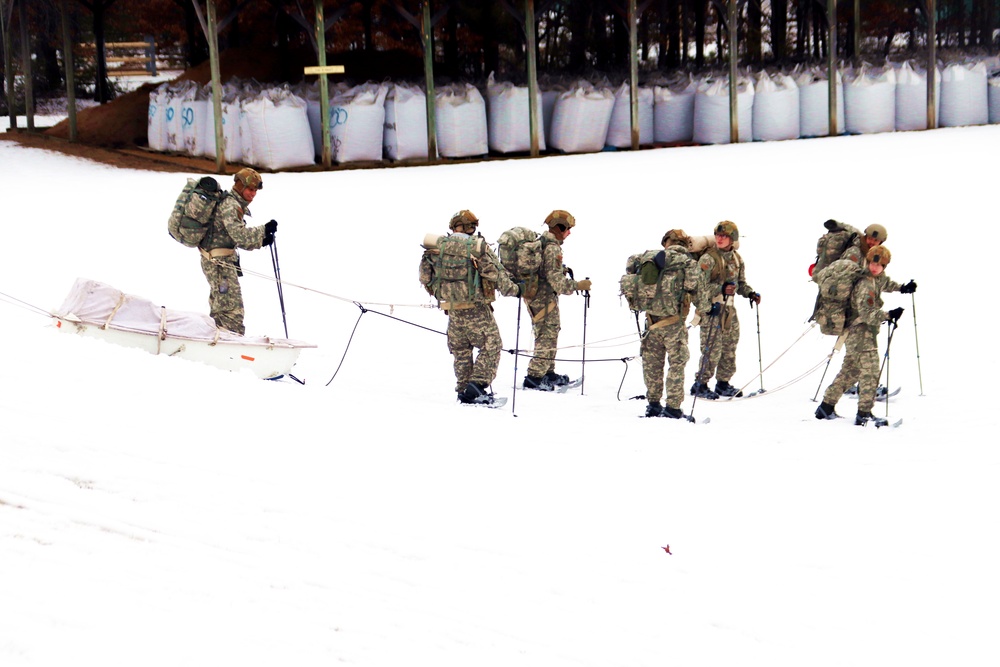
(723, 388)
(864, 418)
(555, 379)
(701, 390)
(654, 410)
(475, 393)
(673, 413)
(538, 383)
(826, 411)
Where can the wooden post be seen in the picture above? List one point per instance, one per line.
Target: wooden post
(68, 65)
(857, 29)
(6, 12)
(633, 60)
(29, 89)
(324, 85)
(734, 113)
(931, 8)
(529, 31)
(212, 34)
(831, 62)
(427, 37)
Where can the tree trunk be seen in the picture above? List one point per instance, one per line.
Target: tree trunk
(755, 52)
(700, 11)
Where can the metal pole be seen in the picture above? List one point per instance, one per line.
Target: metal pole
(427, 37)
(633, 59)
(857, 29)
(29, 90)
(583, 363)
(831, 63)
(532, 46)
(916, 340)
(734, 114)
(70, 73)
(931, 7)
(6, 8)
(212, 34)
(517, 355)
(324, 85)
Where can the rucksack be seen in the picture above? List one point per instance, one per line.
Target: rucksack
(700, 245)
(638, 293)
(831, 246)
(194, 210)
(833, 306)
(520, 252)
(455, 278)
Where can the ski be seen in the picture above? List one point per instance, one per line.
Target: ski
(895, 424)
(880, 393)
(497, 402)
(563, 388)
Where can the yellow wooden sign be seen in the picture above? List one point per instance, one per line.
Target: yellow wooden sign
(329, 69)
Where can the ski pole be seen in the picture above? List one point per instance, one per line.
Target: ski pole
(583, 362)
(277, 280)
(885, 366)
(760, 361)
(836, 346)
(920, 375)
(706, 356)
(517, 354)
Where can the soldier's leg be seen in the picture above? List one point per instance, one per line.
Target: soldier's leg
(225, 298)
(546, 332)
(705, 369)
(848, 374)
(728, 342)
(868, 372)
(654, 356)
(486, 337)
(678, 355)
(461, 349)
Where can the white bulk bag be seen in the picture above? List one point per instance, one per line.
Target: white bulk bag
(460, 115)
(993, 96)
(711, 111)
(580, 119)
(775, 108)
(357, 121)
(279, 130)
(549, 98)
(194, 117)
(508, 115)
(177, 95)
(156, 128)
(673, 112)
(405, 132)
(620, 125)
(232, 141)
(870, 100)
(814, 104)
(310, 93)
(964, 98)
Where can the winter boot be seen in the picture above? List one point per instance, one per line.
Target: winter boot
(555, 379)
(541, 384)
(654, 410)
(825, 411)
(672, 413)
(475, 393)
(723, 388)
(701, 390)
(865, 418)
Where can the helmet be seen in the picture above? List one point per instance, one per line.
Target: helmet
(249, 178)
(675, 237)
(727, 228)
(876, 232)
(463, 217)
(560, 217)
(879, 254)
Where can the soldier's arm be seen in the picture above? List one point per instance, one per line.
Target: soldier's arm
(554, 272)
(491, 269)
(247, 238)
(705, 265)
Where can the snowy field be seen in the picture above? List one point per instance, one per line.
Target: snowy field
(156, 511)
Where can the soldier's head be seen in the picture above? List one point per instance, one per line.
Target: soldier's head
(246, 183)
(464, 222)
(878, 258)
(560, 222)
(874, 235)
(726, 234)
(675, 237)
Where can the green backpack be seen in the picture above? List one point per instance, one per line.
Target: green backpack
(454, 259)
(194, 210)
(520, 252)
(833, 306)
(829, 248)
(638, 292)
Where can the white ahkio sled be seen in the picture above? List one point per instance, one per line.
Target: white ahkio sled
(100, 311)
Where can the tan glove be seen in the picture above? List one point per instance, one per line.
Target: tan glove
(583, 285)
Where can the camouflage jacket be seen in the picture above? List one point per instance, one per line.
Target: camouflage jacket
(228, 230)
(733, 271)
(491, 276)
(553, 277)
(866, 301)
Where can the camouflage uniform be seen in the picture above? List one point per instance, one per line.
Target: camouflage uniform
(221, 263)
(724, 330)
(861, 362)
(471, 324)
(544, 307)
(666, 336)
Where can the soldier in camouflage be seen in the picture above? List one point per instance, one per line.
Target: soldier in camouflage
(219, 260)
(861, 362)
(665, 339)
(544, 306)
(471, 324)
(725, 276)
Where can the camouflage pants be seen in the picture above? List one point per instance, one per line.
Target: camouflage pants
(861, 365)
(225, 298)
(546, 332)
(474, 328)
(722, 361)
(669, 343)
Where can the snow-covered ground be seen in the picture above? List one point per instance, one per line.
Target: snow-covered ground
(160, 512)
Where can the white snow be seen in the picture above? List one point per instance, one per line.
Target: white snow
(155, 511)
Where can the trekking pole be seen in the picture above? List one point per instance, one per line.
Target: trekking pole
(277, 280)
(836, 346)
(706, 356)
(760, 361)
(583, 362)
(517, 354)
(920, 375)
(885, 366)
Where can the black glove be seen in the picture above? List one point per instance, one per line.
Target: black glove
(729, 289)
(754, 298)
(268, 238)
(909, 288)
(715, 310)
(895, 314)
(569, 271)
(270, 228)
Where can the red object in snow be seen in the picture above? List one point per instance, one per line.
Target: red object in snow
(811, 267)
